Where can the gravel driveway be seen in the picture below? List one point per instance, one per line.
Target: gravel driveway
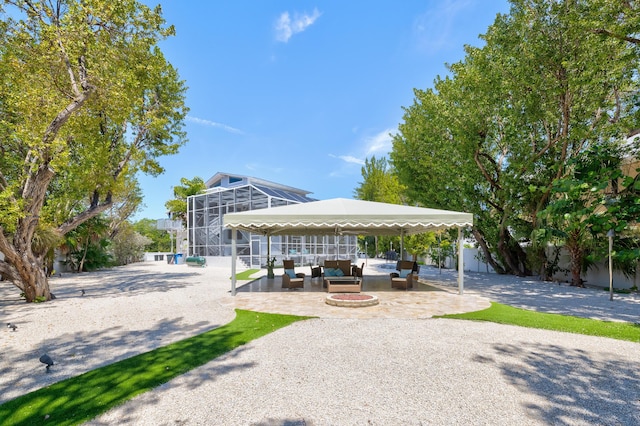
(329, 371)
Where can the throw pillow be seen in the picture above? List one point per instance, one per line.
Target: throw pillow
(290, 272)
(329, 272)
(339, 273)
(404, 273)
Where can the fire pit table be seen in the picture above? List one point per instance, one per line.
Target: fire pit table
(350, 300)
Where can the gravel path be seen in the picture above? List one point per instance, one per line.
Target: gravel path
(125, 311)
(329, 371)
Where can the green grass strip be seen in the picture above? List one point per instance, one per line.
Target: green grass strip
(246, 275)
(81, 398)
(504, 314)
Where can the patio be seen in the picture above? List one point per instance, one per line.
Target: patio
(370, 283)
(425, 300)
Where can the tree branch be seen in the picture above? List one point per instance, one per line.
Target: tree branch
(608, 33)
(92, 211)
(3, 182)
(140, 137)
(9, 273)
(476, 157)
(64, 115)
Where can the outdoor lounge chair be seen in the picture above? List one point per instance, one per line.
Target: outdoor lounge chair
(403, 279)
(405, 264)
(357, 272)
(291, 279)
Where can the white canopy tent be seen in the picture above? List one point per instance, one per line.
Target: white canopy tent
(344, 216)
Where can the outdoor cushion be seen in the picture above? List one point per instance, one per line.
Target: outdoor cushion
(329, 272)
(290, 272)
(339, 273)
(404, 273)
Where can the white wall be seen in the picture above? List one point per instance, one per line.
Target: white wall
(151, 256)
(473, 263)
(596, 276)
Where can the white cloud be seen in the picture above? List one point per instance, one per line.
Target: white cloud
(214, 124)
(351, 159)
(379, 143)
(287, 27)
(434, 30)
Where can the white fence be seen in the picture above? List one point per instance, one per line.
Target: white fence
(597, 276)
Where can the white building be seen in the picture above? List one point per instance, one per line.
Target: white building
(228, 193)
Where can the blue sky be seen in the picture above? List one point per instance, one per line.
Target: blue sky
(299, 92)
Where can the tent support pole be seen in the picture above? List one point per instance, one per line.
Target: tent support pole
(268, 254)
(234, 252)
(460, 263)
(402, 244)
(268, 248)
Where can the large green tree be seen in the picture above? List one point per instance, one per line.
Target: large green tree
(177, 207)
(160, 239)
(87, 100)
(380, 183)
(494, 136)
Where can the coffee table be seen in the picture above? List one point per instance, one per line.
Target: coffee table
(343, 284)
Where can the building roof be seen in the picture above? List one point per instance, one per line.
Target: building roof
(243, 180)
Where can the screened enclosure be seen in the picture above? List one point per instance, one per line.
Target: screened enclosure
(207, 235)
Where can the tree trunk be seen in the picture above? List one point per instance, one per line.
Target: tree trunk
(511, 258)
(26, 273)
(36, 284)
(84, 255)
(576, 269)
(376, 244)
(511, 252)
(486, 252)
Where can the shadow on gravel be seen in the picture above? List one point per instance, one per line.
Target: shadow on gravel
(104, 283)
(77, 352)
(576, 387)
(81, 398)
(130, 412)
(283, 422)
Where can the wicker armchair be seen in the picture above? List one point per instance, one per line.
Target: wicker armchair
(405, 277)
(357, 271)
(291, 279)
(316, 271)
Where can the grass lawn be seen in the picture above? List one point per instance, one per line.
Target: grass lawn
(81, 398)
(246, 275)
(504, 314)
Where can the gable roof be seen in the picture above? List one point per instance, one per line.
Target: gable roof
(345, 216)
(239, 180)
